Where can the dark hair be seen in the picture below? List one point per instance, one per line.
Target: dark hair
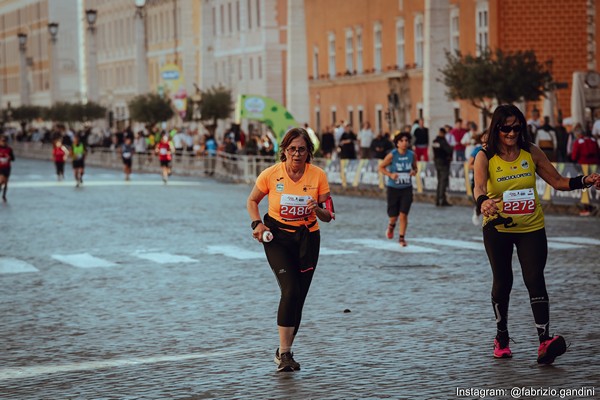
(291, 135)
(501, 114)
(399, 137)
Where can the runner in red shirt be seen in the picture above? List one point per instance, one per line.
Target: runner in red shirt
(59, 155)
(163, 149)
(6, 157)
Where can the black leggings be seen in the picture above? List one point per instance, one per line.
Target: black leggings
(283, 255)
(532, 250)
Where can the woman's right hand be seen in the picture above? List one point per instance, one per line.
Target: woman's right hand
(489, 207)
(257, 233)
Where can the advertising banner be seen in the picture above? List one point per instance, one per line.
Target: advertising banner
(172, 86)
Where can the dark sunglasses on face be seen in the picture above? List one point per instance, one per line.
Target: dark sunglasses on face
(508, 128)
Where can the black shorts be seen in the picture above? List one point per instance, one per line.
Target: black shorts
(5, 171)
(78, 163)
(127, 162)
(399, 201)
(165, 163)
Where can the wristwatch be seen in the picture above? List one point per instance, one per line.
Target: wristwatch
(255, 223)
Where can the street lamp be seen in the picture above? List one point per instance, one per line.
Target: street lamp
(140, 55)
(196, 102)
(23, 63)
(92, 70)
(55, 85)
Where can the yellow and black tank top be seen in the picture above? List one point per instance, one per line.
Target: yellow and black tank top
(513, 183)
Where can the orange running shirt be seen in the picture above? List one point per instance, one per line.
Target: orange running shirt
(287, 199)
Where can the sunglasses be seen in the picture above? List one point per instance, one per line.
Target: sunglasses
(509, 128)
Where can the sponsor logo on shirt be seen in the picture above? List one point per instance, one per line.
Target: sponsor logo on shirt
(510, 177)
(279, 187)
(524, 164)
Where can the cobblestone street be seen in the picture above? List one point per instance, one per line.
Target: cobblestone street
(139, 290)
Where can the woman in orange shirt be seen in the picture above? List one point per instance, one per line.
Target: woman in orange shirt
(298, 194)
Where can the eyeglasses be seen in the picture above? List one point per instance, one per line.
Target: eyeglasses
(292, 150)
(509, 128)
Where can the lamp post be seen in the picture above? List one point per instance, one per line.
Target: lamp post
(55, 85)
(196, 103)
(140, 54)
(23, 63)
(92, 70)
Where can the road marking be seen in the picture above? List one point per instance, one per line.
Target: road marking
(9, 265)
(333, 252)
(71, 184)
(165, 258)
(390, 245)
(235, 252)
(461, 244)
(575, 239)
(38, 370)
(84, 260)
(562, 246)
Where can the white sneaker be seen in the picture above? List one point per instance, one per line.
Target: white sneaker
(476, 218)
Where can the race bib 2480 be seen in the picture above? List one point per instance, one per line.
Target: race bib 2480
(294, 207)
(520, 201)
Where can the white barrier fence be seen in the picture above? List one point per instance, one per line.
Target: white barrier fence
(342, 174)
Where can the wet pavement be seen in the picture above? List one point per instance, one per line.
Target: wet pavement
(140, 290)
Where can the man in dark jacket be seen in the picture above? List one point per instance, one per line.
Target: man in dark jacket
(442, 156)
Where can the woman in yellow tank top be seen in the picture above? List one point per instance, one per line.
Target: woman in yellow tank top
(506, 194)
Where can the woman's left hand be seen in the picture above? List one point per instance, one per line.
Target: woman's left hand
(594, 180)
(312, 205)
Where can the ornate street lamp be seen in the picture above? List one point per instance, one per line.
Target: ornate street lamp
(23, 65)
(92, 71)
(54, 73)
(140, 54)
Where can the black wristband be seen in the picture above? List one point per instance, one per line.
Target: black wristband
(255, 223)
(576, 183)
(480, 201)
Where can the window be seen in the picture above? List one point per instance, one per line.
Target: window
(333, 116)
(331, 40)
(379, 114)
(351, 116)
(454, 31)
(481, 21)
(229, 17)
(222, 19)
(316, 62)
(361, 117)
(257, 12)
(349, 51)
(237, 15)
(240, 74)
(359, 51)
(377, 46)
(400, 44)
(259, 66)
(251, 67)
(318, 119)
(249, 8)
(419, 40)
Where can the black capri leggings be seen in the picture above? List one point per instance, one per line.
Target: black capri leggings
(532, 250)
(283, 255)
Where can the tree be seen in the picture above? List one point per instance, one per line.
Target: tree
(75, 112)
(503, 77)
(150, 108)
(216, 104)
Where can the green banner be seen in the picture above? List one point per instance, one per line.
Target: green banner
(269, 112)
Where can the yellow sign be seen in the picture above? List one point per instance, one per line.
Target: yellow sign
(172, 79)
